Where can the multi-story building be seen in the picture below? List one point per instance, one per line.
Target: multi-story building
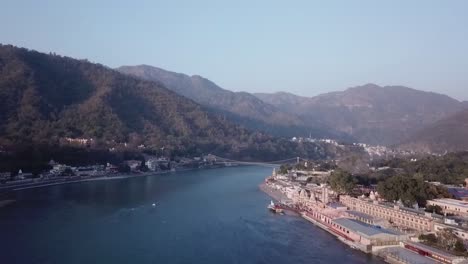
(451, 206)
(457, 230)
(394, 214)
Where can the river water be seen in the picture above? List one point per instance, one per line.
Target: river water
(203, 216)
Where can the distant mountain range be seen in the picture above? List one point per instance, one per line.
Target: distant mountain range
(369, 113)
(240, 107)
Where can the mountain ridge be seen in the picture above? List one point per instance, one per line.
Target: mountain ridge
(370, 113)
(240, 107)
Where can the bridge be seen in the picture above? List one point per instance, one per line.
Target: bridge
(275, 163)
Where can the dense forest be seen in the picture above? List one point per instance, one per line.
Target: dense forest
(451, 168)
(408, 180)
(46, 98)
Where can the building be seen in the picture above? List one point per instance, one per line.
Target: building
(133, 164)
(59, 169)
(457, 230)
(394, 214)
(433, 253)
(368, 219)
(353, 232)
(152, 164)
(367, 235)
(79, 141)
(459, 193)
(23, 175)
(96, 170)
(451, 206)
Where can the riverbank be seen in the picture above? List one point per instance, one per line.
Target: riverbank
(275, 194)
(324, 217)
(279, 196)
(77, 179)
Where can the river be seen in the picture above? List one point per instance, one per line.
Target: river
(203, 216)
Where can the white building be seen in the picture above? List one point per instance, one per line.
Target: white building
(451, 206)
(152, 164)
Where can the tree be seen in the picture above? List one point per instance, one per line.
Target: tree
(124, 168)
(408, 190)
(342, 182)
(447, 239)
(434, 209)
(459, 247)
(429, 238)
(283, 169)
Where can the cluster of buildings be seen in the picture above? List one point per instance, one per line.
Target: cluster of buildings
(314, 140)
(372, 225)
(79, 141)
(65, 170)
(378, 151)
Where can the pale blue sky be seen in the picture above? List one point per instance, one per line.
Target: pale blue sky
(304, 47)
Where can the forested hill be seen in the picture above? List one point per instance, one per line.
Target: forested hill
(446, 135)
(46, 98)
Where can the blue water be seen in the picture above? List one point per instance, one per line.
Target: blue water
(204, 216)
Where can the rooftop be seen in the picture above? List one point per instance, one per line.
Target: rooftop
(416, 212)
(453, 202)
(433, 250)
(409, 256)
(458, 192)
(336, 205)
(363, 228)
(361, 215)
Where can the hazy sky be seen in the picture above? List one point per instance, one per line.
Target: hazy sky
(304, 47)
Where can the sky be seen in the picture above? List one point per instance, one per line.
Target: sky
(303, 47)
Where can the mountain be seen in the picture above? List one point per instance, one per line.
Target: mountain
(240, 107)
(446, 135)
(370, 113)
(47, 99)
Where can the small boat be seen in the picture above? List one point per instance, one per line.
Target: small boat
(275, 208)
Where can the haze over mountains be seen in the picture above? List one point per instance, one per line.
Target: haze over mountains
(369, 113)
(240, 107)
(447, 135)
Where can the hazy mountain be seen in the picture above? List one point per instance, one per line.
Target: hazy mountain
(46, 98)
(240, 107)
(370, 113)
(446, 135)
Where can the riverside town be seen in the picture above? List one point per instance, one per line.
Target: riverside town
(234, 132)
(365, 221)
